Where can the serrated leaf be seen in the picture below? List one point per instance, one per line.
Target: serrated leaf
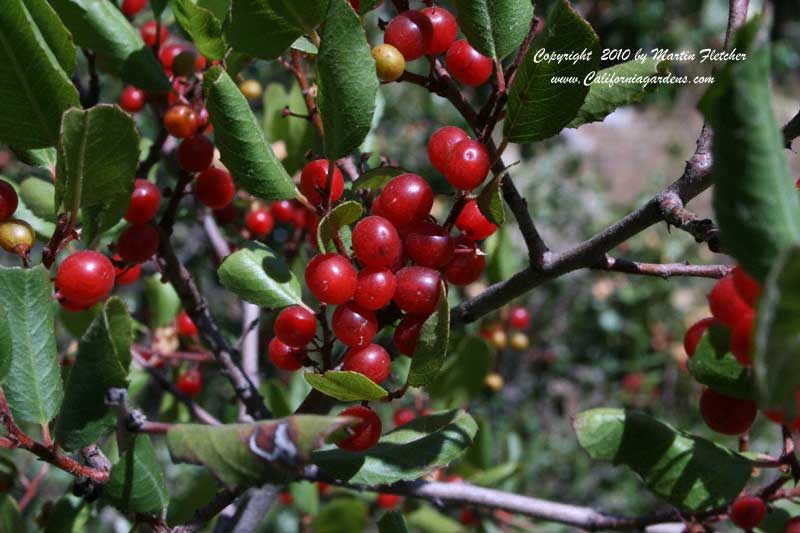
(343, 515)
(203, 27)
(297, 134)
(34, 88)
(286, 19)
(162, 301)
(754, 196)
(342, 215)
(260, 277)
(605, 97)
(348, 84)
(538, 107)
(98, 154)
(100, 26)
(346, 386)
(242, 146)
(490, 202)
(405, 454)
(463, 372)
(495, 28)
(58, 39)
(377, 177)
(33, 383)
(102, 363)
(689, 472)
(38, 196)
(432, 344)
(720, 370)
(137, 482)
(392, 522)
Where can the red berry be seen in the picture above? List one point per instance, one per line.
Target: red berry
(387, 501)
(467, 165)
(404, 416)
(168, 53)
(137, 244)
(185, 326)
(725, 303)
(467, 265)
(406, 334)
(695, 333)
(747, 287)
(441, 144)
(375, 288)
(376, 242)
(632, 382)
(520, 318)
(8, 200)
(286, 498)
(473, 224)
(357, 5)
(430, 245)
(467, 65)
(131, 99)
(259, 222)
(468, 517)
(214, 188)
(126, 274)
(354, 325)
(411, 32)
(406, 200)
(295, 326)
(148, 33)
(180, 121)
(131, 7)
(73, 306)
(282, 210)
(445, 29)
(202, 121)
(190, 383)
(726, 415)
(417, 291)
(792, 526)
(331, 278)
(748, 511)
(227, 214)
(196, 153)
(323, 487)
(85, 277)
(370, 360)
(314, 179)
(365, 434)
(284, 356)
(741, 339)
(144, 202)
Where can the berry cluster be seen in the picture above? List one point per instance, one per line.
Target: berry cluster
(516, 323)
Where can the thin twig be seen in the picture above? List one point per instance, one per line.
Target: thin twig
(205, 514)
(666, 270)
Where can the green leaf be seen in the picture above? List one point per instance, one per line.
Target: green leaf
(495, 28)
(689, 472)
(33, 384)
(286, 19)
(605, 97)
(102, 363)
(38, 195)
(10, 516)
(348, 84)
(306, 497)
(226, 450)
(405, 454)
(302, 44)
(346, 386)
(463, 372)
(777, 346)
(6, 344)
(496, 475)
(297, 134)
(37, 157)
(34, 89)
(242, 146)
(342, 215)
(432, 344)
(100, 26)
(276, 398)
(97, 159)
(162, 301)
(203, 27)
(538, 107)
(501, 262)
(343, 515)
(429, 520)
(490, 202)
(77, 322)
(377, 177)
(56, 36)
(137, 482)
(259, 276)
(755, 198)
(720, 370)
(43, 227)
(392, 522)
(68, 515)
(158, 7)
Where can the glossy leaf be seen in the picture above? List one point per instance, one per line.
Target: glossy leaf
(342, 515)
(376, 178)
(720, 370)
(343, 214)
(38, 194)
(203, 27)
(33, 383)
(495, 28)
(101, 27)
(163, 302)
(347, 81)
(392, 522)
(137, 482)
(490, 202)
(241, 143)
(346, 386)
(432, 344)
(405, 454)
(463, 372)
(58, 39)
(538, 107)
(259, 276)
(34, 88)
(689, 472)
(297, 135)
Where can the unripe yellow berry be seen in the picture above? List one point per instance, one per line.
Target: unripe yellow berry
(251, 89)
(494, 382)
(499, 339)
(520, 341)
(16, 236)
(389, 62)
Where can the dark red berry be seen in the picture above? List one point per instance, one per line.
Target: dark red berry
(370, 360)
(467, 165)
(296, 326)
(695, 333)
(520, 318)
(148, 33)
(468, 517)
(403, 416)
(357, 5)
(467, 65)
(748, 511)
(375, 288)
(185, 326)
(85, 277)
(180, 121)
(314, 179)
(725, 303)
(284, 356)
(196, 153)
(126, 274)
(227, 214)
(144, 202)
(387, 501)
(283, 210)
(746, 286)
(441, 144)
(365, 434)
(331, 278)
(473, 224)
(430, 245)
(445, 29)
(138, 243)
(131, 99)
(259, 222)
(406, 334)
(727, 415)
(214, 188)
(286, 499)
(8, 200)
(792, 526)
(741, 339)
(131, 7)
(406, 201)
(411, 32)
(417, 291)
(467, 265)
(190, 383)
(354, 325)
(376, 242)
